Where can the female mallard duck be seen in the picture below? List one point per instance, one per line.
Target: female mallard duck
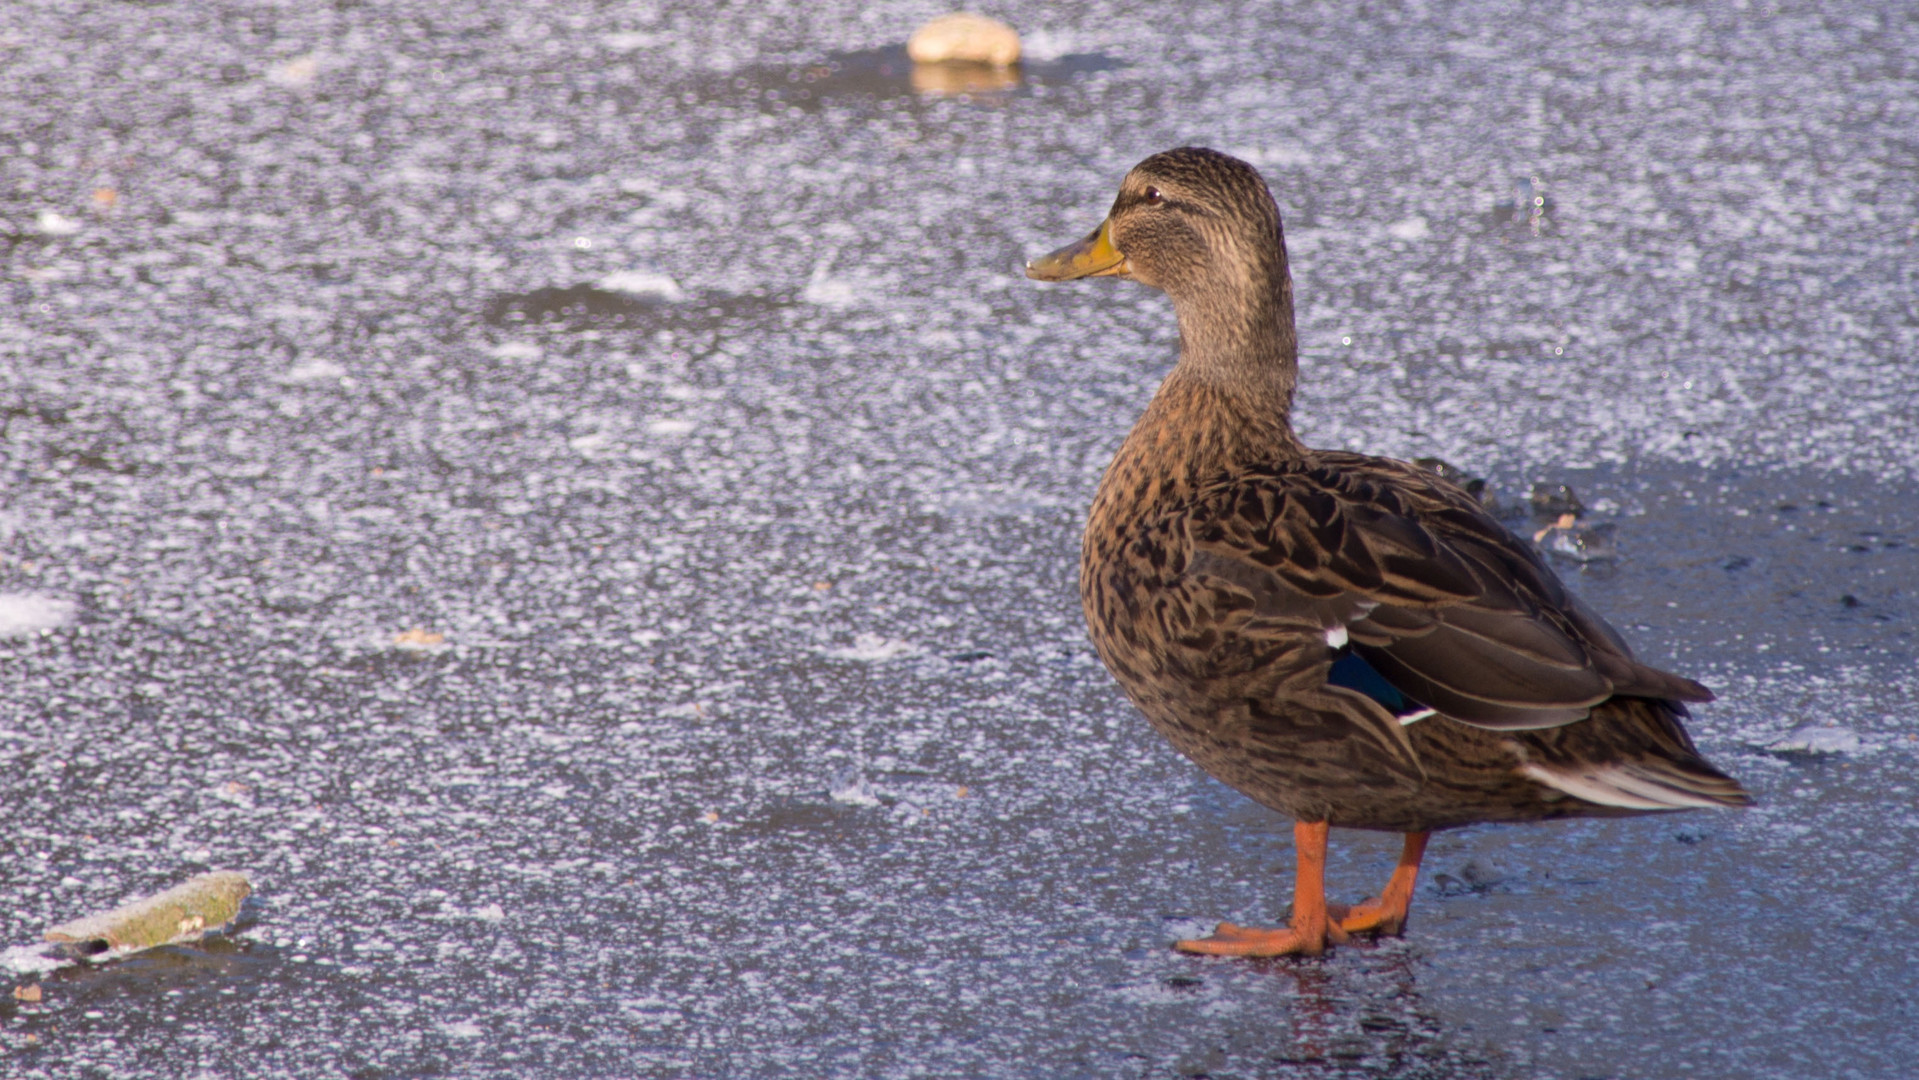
(1350, 640)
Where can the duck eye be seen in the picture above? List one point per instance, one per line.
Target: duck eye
(1153, 197)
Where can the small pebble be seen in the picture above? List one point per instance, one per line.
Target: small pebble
(965, 38)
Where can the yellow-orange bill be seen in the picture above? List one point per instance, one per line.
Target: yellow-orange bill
(1094, 256)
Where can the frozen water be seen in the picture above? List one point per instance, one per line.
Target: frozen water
(336, 359)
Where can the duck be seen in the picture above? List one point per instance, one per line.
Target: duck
(1352, 641)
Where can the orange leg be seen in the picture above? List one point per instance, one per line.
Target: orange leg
(1310, 929)
(1387, 914)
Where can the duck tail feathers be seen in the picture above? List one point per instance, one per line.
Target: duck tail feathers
(1644, 785)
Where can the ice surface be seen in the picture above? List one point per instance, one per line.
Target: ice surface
(694, 561)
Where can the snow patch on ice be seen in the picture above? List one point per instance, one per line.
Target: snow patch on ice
(1277, 154)
(53, 223)
(629, 40)
(515, 350)
(873, 647)
(1412, 228)
(1818, 739)
(1046, 45)
(316, 369)
(32, 613)
(829, 290)
(644, 283)
(29, 960)
(295, 74)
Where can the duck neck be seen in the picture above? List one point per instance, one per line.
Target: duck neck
(1239, 357)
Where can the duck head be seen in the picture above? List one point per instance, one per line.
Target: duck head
(1202, 227)
(1183, 220)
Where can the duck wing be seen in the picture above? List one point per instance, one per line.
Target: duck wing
(1409, 572)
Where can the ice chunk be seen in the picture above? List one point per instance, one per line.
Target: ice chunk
(1818, 739)
(851, 789)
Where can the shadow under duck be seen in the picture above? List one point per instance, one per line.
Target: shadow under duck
(1349, 640)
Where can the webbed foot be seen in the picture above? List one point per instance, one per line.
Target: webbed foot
(1229, 939)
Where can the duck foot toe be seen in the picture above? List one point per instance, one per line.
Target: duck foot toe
(1229, 939)
(1368, 917)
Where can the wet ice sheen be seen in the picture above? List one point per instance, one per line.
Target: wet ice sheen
(331, 365)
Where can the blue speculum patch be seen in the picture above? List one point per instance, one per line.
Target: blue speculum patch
(1353, 672)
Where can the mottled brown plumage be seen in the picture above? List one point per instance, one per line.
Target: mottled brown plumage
(1349, 640)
